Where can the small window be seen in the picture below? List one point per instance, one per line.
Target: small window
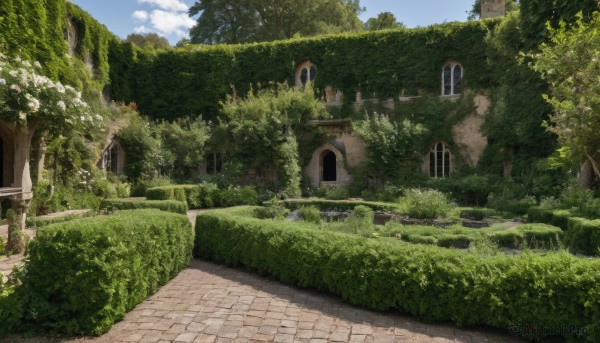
(439, 161)
(214, 163)
(452, 75)
(305, 72)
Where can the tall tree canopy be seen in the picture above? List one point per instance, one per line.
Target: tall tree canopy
(385, 20)
(148, 39)
(570, 63)
(243, 21)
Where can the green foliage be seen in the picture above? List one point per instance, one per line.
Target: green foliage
(392, 147)
(183, 147)
(425, 204)
(205, 195)
(475, 13)
(333, 192)
(263, 130)
(310, 214)
(383, 21)
(233, 22)
(569, 63)
(50, 199)
(144, 156)
(477, 213)
(116, 261)
(164, 205)
(39, 222)
(408, 62)
(139, 188)
(431, 283)
(340, 205)
(271, 209)
(148, 41)
(583, 236)
(506, 202)
(535, 14)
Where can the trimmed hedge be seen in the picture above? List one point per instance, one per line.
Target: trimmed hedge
(84, 275)
(431, 283)
(582, 235)
(342, 205)
(164, 205)
(204, 195)
(39, 222)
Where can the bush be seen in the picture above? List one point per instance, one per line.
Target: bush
(38, 222)
(248, 196)
(310, 214)
(537, 236)
(425, 204)
(583, 236)
(336, 193)
(294, 204)
(477, 213)
(164, 205)
(84, 275)
(190, 194)
(431, 283)
(139, 188)
(272, 209)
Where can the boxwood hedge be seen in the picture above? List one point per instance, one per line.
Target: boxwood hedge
(82, 276)
(582, 235)
(164, 205)
(432, 283)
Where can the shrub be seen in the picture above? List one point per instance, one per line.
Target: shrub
(38, 222)
(583, 236)
(425, 204)
(190, 194)
(477, 213)
(248, 196)
(310, 214)
(272, 209)
(164, 205)
(123, 190)
(431, 283)
(340, 205)
(139, 188)
(336, 193)
(363, 212)
(84, 275)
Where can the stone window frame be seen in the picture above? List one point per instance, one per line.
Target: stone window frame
(311, 72)
(453, 83)
(432, 159)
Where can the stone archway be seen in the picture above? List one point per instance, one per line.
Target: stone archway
(328, 166)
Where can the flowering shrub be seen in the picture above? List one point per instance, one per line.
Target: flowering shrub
(27, 98)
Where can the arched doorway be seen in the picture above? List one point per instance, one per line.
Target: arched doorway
(329, 166)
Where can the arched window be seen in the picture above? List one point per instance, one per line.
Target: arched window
(329, 166)
(452, 75)
(306, 71)
(114, 160)
(440, 161)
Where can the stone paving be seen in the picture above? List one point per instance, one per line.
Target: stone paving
(212, 303)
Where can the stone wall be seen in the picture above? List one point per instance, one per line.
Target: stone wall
(492, 8)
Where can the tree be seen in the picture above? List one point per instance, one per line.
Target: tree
(28, 102)
(385, 20)
(475, 12)
(229, 21)
(264, 129)
(151, 40)
(570, 63)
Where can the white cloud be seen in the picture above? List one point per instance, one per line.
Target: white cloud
(141, 29)
(168, 23)
(140, 15)
(169, 5)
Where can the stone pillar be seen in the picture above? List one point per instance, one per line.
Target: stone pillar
(509, 155)
(492, 8)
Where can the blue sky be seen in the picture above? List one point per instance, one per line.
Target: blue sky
(168, 17)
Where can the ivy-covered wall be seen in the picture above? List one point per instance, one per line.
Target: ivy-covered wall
(35, 30)
(192, 81)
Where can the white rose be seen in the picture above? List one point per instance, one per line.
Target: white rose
(61, 105)
(22, 116)
(2, 82)
(13, 73)
(37, 65)
(15, 88)
(98, 117)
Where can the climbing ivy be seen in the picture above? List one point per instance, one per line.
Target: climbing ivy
(193, 80)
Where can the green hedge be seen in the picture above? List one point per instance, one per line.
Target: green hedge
(431, 283)
(164, 205)
(582, 235)
(84, 275)
(204, 195)
(342, 205)
(38, 222)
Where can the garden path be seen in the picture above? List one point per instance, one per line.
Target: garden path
(212, 303)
